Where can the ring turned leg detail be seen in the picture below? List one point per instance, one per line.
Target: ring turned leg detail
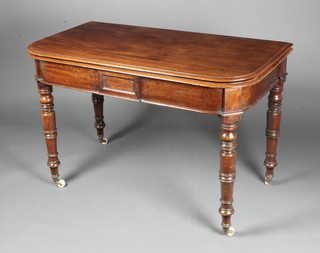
(273, 127)
(97, 101)
(227, 173)
(50, 131)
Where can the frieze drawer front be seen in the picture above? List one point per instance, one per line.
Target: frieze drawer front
(119, 85)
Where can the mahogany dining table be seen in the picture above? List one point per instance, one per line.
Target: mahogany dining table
(205, 73)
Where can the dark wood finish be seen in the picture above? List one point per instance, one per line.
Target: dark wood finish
(227, 173)
(205, 73)
(65, 76)
(119, 85)
(189, 97)
(273, 123)
(175, 53)
(50, 130)
(99, 124)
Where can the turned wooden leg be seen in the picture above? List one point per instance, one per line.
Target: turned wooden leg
(50, 131)
(273, 126)
(227, 174)
(97, 101)
(272, 131)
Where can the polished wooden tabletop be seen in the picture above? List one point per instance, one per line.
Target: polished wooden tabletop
(199, 56)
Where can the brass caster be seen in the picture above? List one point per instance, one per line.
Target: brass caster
(59, 182)
(103, 141)
(229, 231)
(268, 179)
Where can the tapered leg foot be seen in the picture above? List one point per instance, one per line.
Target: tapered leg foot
(59, 182)
(97, 101)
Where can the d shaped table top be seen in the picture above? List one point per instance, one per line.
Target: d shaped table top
(195, 58)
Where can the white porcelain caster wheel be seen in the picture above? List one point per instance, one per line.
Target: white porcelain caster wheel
(59, 182)
(229, 231)
(103, 141)
(268, 179)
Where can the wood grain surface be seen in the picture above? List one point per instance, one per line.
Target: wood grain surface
(198, 56)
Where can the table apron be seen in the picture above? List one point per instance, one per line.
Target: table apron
(149, 90)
